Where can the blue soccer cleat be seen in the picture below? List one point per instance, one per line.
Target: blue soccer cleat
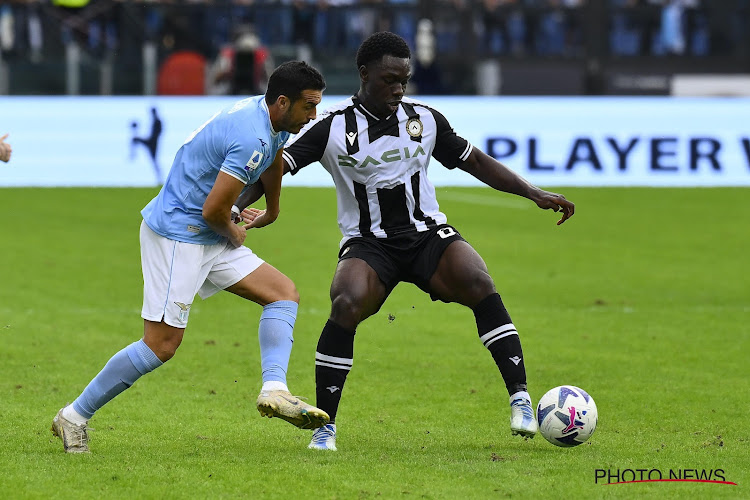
(324, 438)
(522, 419)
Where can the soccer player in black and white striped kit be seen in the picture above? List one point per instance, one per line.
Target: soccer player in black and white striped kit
(377, 146)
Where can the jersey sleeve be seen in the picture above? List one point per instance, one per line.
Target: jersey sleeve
(450, 148)
(308, 146)
(243, 150)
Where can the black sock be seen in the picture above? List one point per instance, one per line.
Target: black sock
(497, 333)
(333, 360)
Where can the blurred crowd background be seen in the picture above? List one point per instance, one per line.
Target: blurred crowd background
(556, 47)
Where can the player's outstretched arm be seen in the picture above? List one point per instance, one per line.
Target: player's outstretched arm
(498, 176)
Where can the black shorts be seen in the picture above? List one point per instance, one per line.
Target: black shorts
(411, 257)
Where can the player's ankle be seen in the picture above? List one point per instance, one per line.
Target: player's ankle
(274, 385)
(71, 415)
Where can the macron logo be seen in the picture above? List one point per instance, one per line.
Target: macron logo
(515, 360)
(351, 137)
(333, 388)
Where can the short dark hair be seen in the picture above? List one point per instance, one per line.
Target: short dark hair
(291, 78)
(382, 43)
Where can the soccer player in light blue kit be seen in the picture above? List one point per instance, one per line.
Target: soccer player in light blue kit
(192, 242)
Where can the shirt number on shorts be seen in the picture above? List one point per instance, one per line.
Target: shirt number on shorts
(446, 232)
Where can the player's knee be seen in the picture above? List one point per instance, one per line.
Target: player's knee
(346, 309)
(162, 339)
(473, 291)
(484, 287)
(290, 292)
(285, 290)
(166, 348)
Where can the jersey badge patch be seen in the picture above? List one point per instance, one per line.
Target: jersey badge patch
(414, 127)
(254, 160)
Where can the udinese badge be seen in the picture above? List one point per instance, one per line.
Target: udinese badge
(414, 127)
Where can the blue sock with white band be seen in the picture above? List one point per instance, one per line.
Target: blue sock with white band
(120, 372)
(276, 338)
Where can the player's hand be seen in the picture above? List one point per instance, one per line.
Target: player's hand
(250, 214)
(253, 217)
(246, 216)
(5, 149)
(238, 235)
(557, 202)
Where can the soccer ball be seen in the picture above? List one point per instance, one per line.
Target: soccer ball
(567, 416)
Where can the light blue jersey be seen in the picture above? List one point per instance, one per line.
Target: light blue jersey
(239, 141)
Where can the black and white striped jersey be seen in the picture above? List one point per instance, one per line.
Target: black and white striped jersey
(379, 166)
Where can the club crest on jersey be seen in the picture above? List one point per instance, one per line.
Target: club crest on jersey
(414, 127)
(254, 160)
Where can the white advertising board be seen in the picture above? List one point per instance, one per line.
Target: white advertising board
(593, 141)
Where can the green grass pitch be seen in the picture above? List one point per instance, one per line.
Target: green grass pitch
(643, 299)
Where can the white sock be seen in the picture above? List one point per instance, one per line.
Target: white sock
(72, 415)
(274, 385)
(520, 394)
